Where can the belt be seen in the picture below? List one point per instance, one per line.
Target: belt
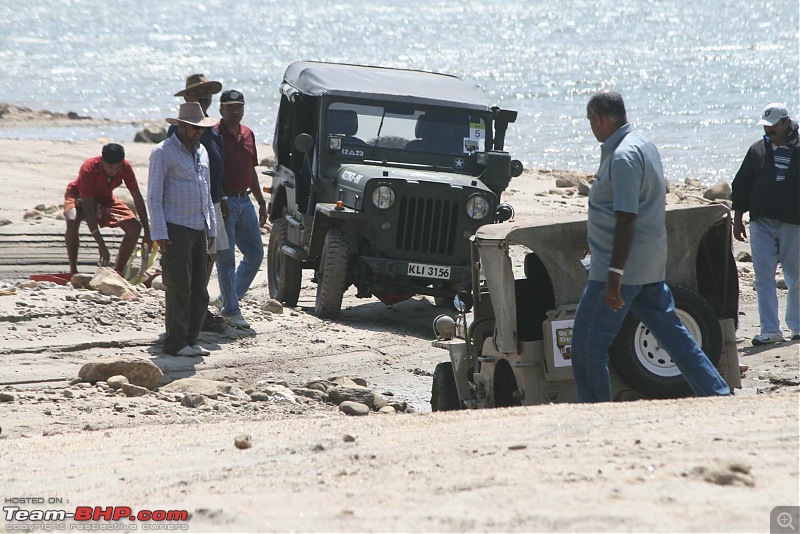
(240, 194)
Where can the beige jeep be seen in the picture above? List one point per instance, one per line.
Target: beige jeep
(510, 343)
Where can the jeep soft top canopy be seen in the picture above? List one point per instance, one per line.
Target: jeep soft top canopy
(561, 243)
(380, 83)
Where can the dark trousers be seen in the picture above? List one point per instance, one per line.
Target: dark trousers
(184, 268)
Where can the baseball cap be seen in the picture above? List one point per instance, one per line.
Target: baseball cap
(231, 96)
(113, 153)
(773, 113)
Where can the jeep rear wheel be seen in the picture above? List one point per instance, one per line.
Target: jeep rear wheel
(444, 394)
(332, 275)
(284, 273)
(639, 359)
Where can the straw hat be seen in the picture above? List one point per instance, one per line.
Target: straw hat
(200, 80)
(192, 113)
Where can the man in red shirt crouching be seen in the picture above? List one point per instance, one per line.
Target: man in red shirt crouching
(91, 197)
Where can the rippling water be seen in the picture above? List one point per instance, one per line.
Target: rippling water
(695, 75)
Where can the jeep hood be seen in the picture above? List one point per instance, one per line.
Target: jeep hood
(357, 176)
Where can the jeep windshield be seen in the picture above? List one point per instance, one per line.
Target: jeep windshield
(404, 133)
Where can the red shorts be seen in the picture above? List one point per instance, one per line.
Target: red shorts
(108, 211)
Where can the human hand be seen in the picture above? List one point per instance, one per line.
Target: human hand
(226, 211)
(211, 242)
(739, 231)
(146, 239)
(262, 215)
(613, 296)
(163, 244)
(104, 256)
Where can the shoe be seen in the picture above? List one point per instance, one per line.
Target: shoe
(201, 351)
(217, 303)
(213, 323)
(189, 351)
(766, 339)
(238, 321)
(795, 335)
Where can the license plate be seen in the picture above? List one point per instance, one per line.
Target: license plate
(428, 271)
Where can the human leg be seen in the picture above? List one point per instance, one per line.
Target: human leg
(595, 328)
(198, 299)
(226, 266)
(176, 270)
(764, 248)
(73, 216)
(789, 239)
(248, 241)
(655, 307)
(132, 229)
(72, 238)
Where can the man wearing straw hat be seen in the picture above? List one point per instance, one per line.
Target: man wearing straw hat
(183, 223)
(201, 90)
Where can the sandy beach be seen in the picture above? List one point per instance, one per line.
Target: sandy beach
(687, 465)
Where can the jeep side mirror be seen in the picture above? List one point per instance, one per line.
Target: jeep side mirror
(505, 212)
(516, 168)
(463, 301)
(304, 142)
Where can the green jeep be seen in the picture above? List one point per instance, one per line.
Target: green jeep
(381, 177)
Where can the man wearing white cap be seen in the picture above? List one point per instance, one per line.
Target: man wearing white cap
(768, 186)
(183, 222)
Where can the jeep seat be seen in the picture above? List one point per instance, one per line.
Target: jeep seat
(534, 296)
(344, 122)
(436, 132)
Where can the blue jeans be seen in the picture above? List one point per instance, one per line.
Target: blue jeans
(244, 234)
(771, 240)
(596, 326)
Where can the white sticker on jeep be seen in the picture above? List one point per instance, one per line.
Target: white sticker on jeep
(352, 177)
(477, 130)
(352, 152)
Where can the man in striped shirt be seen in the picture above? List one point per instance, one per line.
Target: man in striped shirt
(768, 186)
(183, 223)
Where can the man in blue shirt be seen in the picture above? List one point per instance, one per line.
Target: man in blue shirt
(183, 222)
(628, 243)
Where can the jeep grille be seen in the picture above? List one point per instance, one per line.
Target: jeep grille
(427, 225)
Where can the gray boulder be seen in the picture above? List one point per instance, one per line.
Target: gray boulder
(719, 191)
(138, 371)
(108, 282)
(151, 133)
(340, 394)
(354, 408)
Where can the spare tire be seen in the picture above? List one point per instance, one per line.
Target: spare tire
(640, 361)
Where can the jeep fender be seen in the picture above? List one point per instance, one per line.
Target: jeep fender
(328, 216)
(282, 193)
(277, 203)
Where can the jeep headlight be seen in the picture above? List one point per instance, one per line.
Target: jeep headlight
(477, 207)
(383, 197)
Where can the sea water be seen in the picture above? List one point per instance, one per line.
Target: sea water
(695, 75)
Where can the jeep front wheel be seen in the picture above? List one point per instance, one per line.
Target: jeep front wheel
(284, 273)
(332, 275)
(444, 393)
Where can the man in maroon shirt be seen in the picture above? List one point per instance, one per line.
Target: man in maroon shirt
(242, 224)
(91, 197)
